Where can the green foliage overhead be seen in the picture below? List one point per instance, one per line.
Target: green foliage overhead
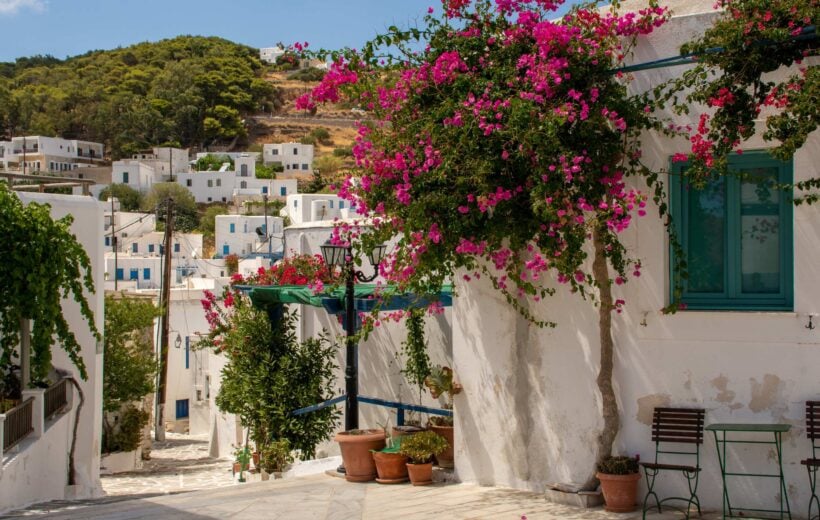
(129, 364)
(186, 218)
(190, 89)
(130, 199)
(42, 263)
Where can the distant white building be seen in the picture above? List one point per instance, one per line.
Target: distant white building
(314, 207)
(226, 186)
(292, 156)
(145, 169)
(271, 54)
(247, 236)
(49, 154)
(232, 155)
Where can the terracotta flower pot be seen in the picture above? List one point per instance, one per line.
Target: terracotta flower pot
(445, 459)
(620, 491)
(356, 456)
(255, 456)
(420, 474)
(391, 467)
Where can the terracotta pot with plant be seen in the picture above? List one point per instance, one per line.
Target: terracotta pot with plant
(391, 465)
(420, 449)
(619, 483)
(275, 457)
(356, 447)
(440, 381)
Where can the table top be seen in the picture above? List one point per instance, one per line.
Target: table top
(750, 427)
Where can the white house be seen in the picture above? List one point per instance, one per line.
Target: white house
(292, 156)
(36, 469)
(271, 54)
(226, 186)
(127, 225)
(247, 235)
(50, 154)
(530, 410)
(147, 168)
(313, 207)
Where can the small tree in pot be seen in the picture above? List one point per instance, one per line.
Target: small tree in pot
(619, 483)
(420, 449)
(440, 381)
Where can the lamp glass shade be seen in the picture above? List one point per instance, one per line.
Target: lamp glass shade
(377, 254)
(334, 255)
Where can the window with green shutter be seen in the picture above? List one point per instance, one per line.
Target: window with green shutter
(736, 236)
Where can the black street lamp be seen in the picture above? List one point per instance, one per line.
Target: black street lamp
(342, 256)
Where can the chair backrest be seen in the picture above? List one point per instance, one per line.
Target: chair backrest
(679, 425)
(813, 425)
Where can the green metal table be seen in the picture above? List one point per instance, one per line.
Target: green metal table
(721, 432)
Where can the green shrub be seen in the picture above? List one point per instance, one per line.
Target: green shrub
(344, 151)
(618, 465)
(421, 447)
(308, 139)
(126, 433)
(275, 456)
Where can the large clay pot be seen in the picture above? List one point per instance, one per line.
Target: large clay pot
(356, 456)
(620, 491)
(445, 458)
(391, 467)
(420, 474)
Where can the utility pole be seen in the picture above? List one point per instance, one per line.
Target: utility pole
(165, 300)
(171, 162)
(24, 155)
(113, 236)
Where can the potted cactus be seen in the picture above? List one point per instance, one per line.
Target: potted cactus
(619, 483)
(420, 449)
(440, 382)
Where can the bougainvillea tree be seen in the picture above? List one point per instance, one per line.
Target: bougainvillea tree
(736, 58)
(502, 150)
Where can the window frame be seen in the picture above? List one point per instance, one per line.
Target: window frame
(732, 298)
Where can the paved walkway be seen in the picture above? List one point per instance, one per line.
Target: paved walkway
(180, 463)
(321, 497)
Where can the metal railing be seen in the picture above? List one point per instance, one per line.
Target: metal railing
(55, 398)
(18, 424)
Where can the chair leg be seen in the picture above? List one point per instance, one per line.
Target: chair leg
(814, 503)
(650, 482)
(692, 480)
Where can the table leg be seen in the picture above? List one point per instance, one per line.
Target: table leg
(784, 494)
(722, 463)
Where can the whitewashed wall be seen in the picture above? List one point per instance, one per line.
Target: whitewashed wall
(530, 410)
(21, 478)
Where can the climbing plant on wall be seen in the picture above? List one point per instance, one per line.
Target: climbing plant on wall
(42, 263)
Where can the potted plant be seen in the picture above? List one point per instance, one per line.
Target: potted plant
(420, 449)
(619, 483)
(391, 465)
(356, 446)
(275, 457)
(242, 460)
(416, 367)
(440, 381)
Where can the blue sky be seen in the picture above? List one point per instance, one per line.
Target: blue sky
(64, 28)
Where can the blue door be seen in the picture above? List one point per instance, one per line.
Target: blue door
(182, 408)
(226, 249)
(120, 273)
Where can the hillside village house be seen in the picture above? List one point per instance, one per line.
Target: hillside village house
(312, 207)
(292, 156)
(271, 54)
(36, 469)
(149, 167)
(49, 154)
(247, 235)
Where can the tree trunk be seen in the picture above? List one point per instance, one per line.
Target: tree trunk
(72, 472)
(609, 405)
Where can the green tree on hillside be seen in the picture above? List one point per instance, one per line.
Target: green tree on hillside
(185, 210)
(130, 199)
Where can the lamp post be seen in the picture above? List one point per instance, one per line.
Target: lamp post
(342, 256)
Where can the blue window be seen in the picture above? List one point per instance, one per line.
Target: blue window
(150, 248)
(187, 352)
(226, 249)
(736, 237)
(161, 249)
(107, 241)
(295, 203)
(232, 228)
(176, 247)
(125, 177)
(120, 273)
(341, 204)
(134, 274)
(146, 274)
(134, 248)
(331, 204)
(264, 190)
(283, 191)
(182, 408)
